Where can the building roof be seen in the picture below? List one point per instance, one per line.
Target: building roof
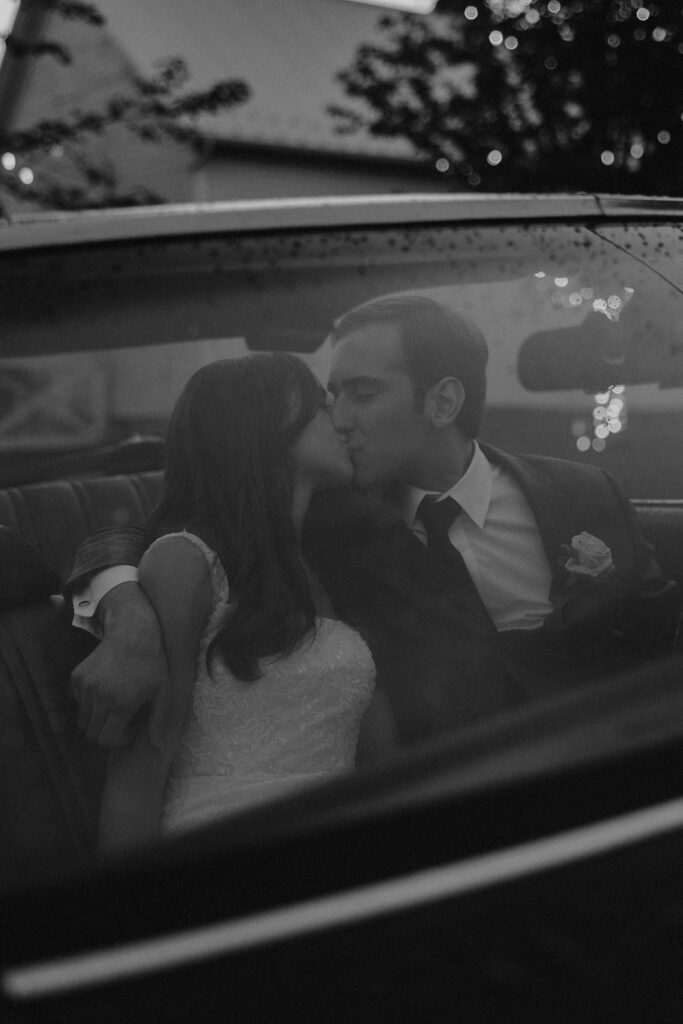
(288, 51)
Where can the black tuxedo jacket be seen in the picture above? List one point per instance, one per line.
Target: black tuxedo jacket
(440, 664)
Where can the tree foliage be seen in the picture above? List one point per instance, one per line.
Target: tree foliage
(530, 94)
(153, 109)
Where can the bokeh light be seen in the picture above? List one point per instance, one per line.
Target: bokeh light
(609, 416)
(567, 292)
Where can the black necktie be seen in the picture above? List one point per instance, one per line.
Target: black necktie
(437, 518)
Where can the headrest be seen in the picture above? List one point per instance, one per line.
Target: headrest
(24, 576)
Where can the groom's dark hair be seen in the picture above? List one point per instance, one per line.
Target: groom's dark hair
(437, 342)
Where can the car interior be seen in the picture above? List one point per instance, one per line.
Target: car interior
(560, 354)
(577, 320)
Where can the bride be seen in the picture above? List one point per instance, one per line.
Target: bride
(267, 687)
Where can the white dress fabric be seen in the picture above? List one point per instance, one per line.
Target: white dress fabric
(248, 742)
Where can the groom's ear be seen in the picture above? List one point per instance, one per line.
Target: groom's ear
(444, 401)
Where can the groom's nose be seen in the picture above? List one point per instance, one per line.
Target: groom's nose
(340, 415)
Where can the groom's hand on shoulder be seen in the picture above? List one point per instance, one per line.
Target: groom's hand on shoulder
(121, 678)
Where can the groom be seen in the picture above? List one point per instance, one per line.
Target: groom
(480, 580)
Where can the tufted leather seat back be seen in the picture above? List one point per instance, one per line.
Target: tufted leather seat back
(661, 523)
(55, 517)
(50, 777)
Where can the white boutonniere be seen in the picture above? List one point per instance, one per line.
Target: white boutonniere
(588, 557)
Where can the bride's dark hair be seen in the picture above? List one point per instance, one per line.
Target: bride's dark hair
(229, 478)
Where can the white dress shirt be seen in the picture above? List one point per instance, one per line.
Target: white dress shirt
(498, 538)
(86, 600)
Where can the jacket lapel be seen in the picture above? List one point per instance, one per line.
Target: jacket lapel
(561, 514)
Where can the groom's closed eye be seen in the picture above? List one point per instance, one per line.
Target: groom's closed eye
(362, 389)
(365, 391)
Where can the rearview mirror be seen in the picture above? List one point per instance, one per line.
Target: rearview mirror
(599, 353)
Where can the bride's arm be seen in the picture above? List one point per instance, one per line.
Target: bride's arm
(175, 577)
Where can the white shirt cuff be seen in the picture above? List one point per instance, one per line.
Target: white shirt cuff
(86, 600)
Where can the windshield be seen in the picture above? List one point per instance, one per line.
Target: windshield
(583, 326)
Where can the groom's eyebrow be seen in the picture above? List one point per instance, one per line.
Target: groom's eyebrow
(352, 382)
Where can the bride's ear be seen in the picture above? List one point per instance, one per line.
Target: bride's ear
(443, 402)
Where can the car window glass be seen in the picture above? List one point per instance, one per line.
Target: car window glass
(582, 325)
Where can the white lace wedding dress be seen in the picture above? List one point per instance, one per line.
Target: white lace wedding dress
(248, 742)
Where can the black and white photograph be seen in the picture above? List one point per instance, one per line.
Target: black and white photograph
(341, 511)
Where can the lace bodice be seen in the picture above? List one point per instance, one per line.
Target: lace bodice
(245, 742)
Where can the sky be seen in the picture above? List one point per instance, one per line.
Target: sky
(8, 11)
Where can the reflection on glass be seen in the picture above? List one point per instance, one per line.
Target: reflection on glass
(570, 293)
(609, 419)
(155, 313)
